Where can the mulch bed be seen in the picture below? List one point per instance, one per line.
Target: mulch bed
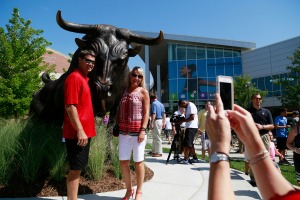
(47, 188)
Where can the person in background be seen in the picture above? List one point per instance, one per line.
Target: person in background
(191, 128)
(158, 122)
(204, 136)
(168, 128)
(295, 116)
(282, 134)
(264, 123)
(79, 125)
(271, 184)
(273, 151)
(133, 119)
(293, 143)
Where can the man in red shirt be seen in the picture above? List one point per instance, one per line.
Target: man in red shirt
(79, 124)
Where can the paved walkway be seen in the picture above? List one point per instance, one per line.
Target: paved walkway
(177, 182)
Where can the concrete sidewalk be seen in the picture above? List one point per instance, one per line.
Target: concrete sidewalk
(177, 182)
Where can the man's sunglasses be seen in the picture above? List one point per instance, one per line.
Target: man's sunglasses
(136, 75)
(87, 61)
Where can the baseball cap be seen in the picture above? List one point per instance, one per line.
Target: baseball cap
(295, 113)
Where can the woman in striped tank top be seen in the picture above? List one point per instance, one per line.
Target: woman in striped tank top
(133, 117)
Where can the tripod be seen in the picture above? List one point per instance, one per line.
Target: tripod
(176, 145)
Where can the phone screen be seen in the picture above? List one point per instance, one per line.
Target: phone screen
(226, 95)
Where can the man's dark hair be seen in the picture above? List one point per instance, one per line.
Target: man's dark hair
(191, 67)
(85, 52)
(180, 102)
(255, 94)
(153, 96)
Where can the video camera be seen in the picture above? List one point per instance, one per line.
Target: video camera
(176, 118)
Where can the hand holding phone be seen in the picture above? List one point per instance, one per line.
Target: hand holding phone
(225, 89)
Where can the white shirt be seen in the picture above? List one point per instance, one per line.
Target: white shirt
(191, 109)
(168, 124)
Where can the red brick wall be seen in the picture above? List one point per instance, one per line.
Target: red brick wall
(59, 59)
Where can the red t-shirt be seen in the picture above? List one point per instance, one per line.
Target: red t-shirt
(77, 92)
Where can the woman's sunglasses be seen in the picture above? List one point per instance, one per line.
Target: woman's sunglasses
(136, 75)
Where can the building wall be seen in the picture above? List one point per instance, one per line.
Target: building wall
(264, 63)
(59, 59)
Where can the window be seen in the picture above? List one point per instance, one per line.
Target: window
(219, 53)
(181, 52)
(201, 53)
(191, 52)
(210, 53)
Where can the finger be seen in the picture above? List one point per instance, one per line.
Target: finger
(211, 111)
(240, 109)
(219, 104)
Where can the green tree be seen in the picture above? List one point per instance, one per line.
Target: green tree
(243, 89)
(21, 61)
(290, 85)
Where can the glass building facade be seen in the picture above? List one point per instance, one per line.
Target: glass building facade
(268, 83)
(193, 70)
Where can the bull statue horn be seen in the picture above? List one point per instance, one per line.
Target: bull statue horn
(140, 39)
(76, 28)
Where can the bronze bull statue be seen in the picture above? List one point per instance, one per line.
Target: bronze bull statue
(108, 78)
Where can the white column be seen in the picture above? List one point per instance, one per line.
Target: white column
(158, 83)
(147, 71)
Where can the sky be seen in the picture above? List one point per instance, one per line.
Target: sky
(263, 22)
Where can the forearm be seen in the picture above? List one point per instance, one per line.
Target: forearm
(145, 121)
(73, 116)
(268, 127)
(268, 178)
(219, 181)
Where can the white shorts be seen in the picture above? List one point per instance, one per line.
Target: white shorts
(129, 143)
(205, 142)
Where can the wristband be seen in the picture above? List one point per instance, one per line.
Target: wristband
(143, 129)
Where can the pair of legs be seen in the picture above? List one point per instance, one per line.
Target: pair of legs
(281, 146)
(168, 135)
(78, 159)
(140, 172)
(205, 145)
(189, 143)
(156, 135)
(128, 144)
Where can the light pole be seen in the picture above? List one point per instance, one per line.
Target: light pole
(247, 85)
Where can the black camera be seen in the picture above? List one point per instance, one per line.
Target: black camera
(176, 118)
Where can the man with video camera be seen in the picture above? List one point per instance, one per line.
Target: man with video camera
(191, 119)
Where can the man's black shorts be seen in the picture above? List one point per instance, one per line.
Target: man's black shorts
(281, 143)
(189, 136)
(77, 156)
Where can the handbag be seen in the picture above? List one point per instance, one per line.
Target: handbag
(116, 130)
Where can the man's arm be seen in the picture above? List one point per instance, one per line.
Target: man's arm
(73, 116)
(191, 118)
(164, 120)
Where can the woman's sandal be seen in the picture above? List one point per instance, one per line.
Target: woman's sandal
(138, 193)
(130, 192)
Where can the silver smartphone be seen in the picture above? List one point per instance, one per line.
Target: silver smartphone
(225, 89)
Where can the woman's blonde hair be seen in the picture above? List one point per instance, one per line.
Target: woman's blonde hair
(141, 72)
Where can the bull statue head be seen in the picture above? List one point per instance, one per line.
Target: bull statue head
(109, 77)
